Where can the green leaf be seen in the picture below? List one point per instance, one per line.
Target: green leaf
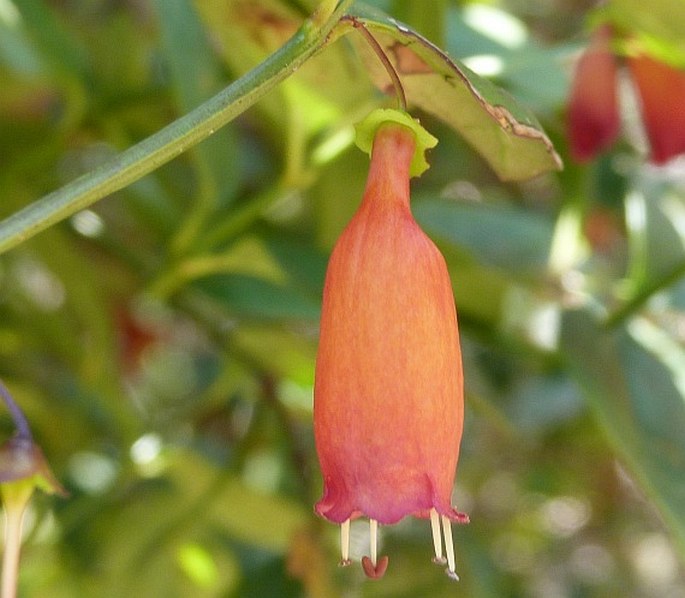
(177, 137)
(196, 76)
(533, 72)
(633, 380)
(656, 238)
(252, 297)
(427, 17)
(289, 355)
(54, 42)
(657, 245)
(192, 509)
(247, 32)
(500, 236)
(17, 53)
(505, 134)
(304, 265)
(661, 27)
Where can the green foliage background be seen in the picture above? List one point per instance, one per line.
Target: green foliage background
(162, 341)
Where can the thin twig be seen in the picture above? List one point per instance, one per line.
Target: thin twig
(175, 138)
(383, 57)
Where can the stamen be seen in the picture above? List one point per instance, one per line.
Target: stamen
(345, 543)
(449, 547)
(437, 538)
(373, 531)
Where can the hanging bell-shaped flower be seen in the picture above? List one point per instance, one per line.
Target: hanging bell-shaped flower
(388, 397)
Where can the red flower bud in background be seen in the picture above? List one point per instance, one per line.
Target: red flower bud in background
(593, 114)
(593, 111)
(388, 398)
(661, 89)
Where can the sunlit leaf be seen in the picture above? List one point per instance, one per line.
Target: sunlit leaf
(661, 27)
(533, 72)
(304, 264)
(192, 487)
(289, 356)
(504, 133)
(249, 31)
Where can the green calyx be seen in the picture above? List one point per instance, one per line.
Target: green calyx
(367, 128)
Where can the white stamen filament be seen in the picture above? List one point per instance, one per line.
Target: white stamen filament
(449, 547)
(345, 542)
(373, 531)
(437, 537)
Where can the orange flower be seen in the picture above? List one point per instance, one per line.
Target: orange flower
(388, 398)
(662, 94)
(593, 114)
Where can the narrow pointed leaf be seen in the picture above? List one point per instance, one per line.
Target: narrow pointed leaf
(523, 241)
(632, 379)
(196, 75)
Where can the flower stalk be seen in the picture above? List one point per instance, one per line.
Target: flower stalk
(171, 141)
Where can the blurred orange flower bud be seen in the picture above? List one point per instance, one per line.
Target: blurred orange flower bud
(388, 398)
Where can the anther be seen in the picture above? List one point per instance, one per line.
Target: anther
(437, 538)
(449, 547)
(345, 543)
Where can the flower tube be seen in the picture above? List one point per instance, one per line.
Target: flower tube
(388, 394)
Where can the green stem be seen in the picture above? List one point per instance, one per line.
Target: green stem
(325, 11)
(173, 140)
(205, 262)
(632, 305)
(191, 269)
(241, 218)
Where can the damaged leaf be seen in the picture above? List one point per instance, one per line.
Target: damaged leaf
(506, 135)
